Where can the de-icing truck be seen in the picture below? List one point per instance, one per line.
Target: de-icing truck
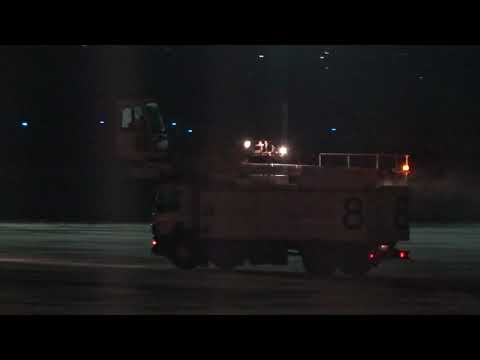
(347, 212)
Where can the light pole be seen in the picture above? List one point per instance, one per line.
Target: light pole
(283, 59)
(278, 60)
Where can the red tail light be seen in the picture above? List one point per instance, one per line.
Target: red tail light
(403, 254)
(371, 256)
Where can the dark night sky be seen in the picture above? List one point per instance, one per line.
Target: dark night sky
(421, 99)
(417, 99)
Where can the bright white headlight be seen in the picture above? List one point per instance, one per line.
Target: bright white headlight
(247, 144)
(283, 150)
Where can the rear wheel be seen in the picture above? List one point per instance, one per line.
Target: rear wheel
(226, 256)
(225, 264)
(317, 261)
(356, 264)
(355, 269)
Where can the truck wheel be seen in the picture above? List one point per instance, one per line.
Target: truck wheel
(225, 264)
(355, 267)
(183, 253)
(225, 257)
(317, 263)
(183, 256)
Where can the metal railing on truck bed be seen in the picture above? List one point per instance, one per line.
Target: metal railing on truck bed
(397, 163)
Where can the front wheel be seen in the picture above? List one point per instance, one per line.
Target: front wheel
(183, 253)
(184, 257)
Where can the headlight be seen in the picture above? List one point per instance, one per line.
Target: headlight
(247, 144)
(283, 150)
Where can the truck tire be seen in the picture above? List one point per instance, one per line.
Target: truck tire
(183, 253)
(183, 256)
(317, 261)
(225, 257)
(356, 265)
(356, 269)
(225, 264)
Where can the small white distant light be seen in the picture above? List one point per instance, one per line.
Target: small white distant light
(24, 124)
(283, 150)
(190, 131)
(174, 124)
(322, 57)
(384, 247)
(326, 67)
(326, 52)
(102, 122)
(247, 144)
(261, 56)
